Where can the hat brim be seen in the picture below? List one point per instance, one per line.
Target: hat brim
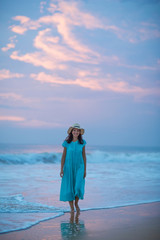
(71, 128)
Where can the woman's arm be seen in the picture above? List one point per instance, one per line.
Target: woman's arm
(63, 161)
(84, 159)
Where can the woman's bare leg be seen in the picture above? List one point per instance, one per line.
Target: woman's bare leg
(71, 206)
(76, 204)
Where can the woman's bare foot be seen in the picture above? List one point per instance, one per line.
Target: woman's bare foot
(72, 217)
(77, 217)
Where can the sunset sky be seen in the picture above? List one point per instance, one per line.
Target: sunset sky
(95, 62)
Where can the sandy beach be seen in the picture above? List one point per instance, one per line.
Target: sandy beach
(124, 223)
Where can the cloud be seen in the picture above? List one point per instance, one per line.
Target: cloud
(26, 24)
(54, 50)
(11, 100)
(57, 47)
(92, 81)
(83, 82)
(11, 118)
(50, 46)
(42, 4)
(139, 32)
(148, 33)
(39, 124)
(29, 122)
(5, 74)
(22, 19)
(115, 60)
(52, 55)
(11, 44)
(15, 97)
(124, 87)
(38, 59)
(70, 16)
(151, 68)
(84, 73)
(18, 29)
(65, 16)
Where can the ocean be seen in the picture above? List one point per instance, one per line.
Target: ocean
(30, 181)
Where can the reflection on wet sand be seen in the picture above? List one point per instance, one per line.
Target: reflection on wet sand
(73, 228)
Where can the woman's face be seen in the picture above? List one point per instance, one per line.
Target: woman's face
(76, 132)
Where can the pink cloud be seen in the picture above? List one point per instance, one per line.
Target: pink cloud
(11, 44)
(5, 74)
(72, 14)
(126, 88)
(138, 67)
(54, 52)
(26, 24)
(116, 60)
(57, 52)
(141, 32)
(149, 33)
(42, 4)
(37, 59)
(85, 73)
(64, 27)
(92, 81)
(15, 97)
(52, 7)
(22, 19)
(83, 82)
(38, 123)
(29, 122)
(11, 118)
(19, 29)
(69, 15)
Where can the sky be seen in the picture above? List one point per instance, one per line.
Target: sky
(96, 63)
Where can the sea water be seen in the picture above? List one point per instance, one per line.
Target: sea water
(30, 181)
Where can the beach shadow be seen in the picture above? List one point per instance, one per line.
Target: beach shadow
(74, 228)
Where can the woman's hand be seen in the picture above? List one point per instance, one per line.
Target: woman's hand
(84, 174)
(61, 173)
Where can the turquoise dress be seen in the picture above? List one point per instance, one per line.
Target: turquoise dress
(73, 181)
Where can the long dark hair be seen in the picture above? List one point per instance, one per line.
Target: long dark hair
(69, 138)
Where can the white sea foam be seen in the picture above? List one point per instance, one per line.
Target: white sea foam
(24, 221)
(103, 156)
(92, 157)
(30, 158)
(17, 204)
(30, 214)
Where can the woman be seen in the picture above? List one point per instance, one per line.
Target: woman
(73, 167)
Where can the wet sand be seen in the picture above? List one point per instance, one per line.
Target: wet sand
(140, 222)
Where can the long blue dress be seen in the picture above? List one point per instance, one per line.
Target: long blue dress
(73, 181)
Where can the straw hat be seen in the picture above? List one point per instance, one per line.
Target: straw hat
(76, 125)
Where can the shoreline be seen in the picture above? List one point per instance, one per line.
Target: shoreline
(83, 210)
(111, 223)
